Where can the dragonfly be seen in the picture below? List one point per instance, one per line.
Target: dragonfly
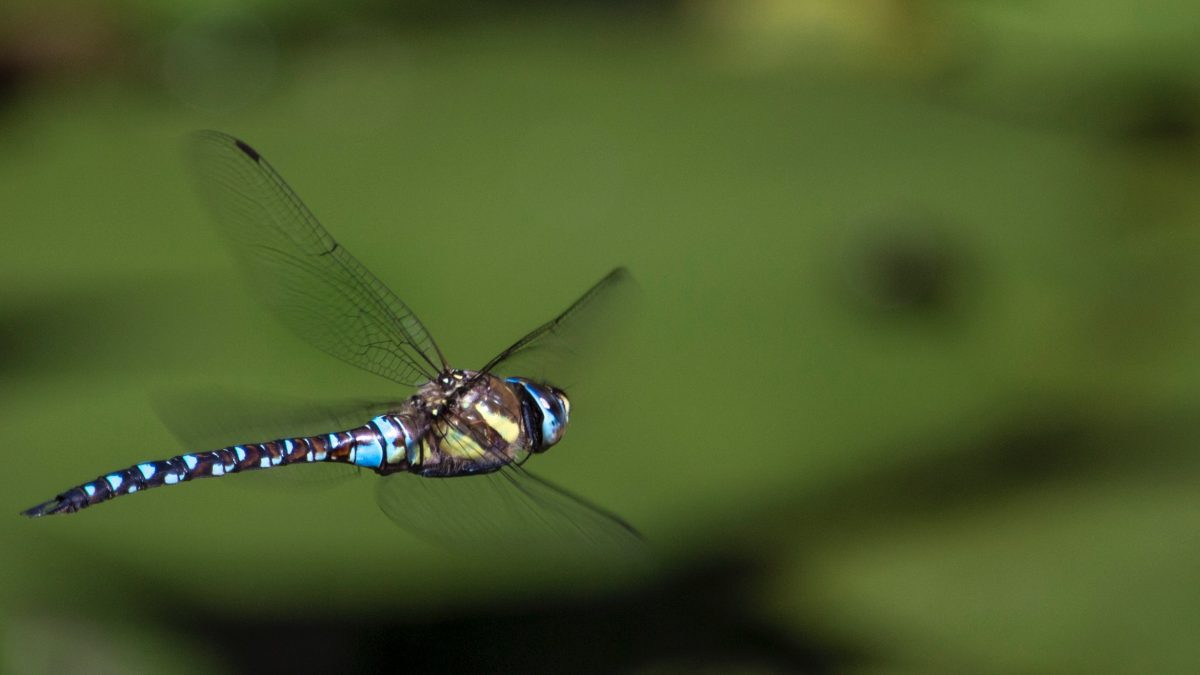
(465, 435)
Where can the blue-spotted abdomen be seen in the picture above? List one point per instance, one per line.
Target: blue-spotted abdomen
(366, 446)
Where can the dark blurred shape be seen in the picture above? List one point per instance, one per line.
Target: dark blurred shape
(1043, 443)
(56, 40)
(1157, 112)
(109, 324)
(1162, 113)
(428, 11)
(907, 266)
(1020, 452)
(45, 332)
(12, 75)
(699, 619)
(224, 60)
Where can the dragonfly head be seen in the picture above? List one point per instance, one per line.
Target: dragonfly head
(547, 411)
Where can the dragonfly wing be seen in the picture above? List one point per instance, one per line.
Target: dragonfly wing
(508, 508)
(553, 351)
(511, 508)
(505, 510)
(313, 284)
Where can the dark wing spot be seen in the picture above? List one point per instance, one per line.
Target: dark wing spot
(250, 152)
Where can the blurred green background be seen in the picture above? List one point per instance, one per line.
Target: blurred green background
(914, 390)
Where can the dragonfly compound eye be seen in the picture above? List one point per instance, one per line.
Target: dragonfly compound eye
(546, 409)
(554, 407)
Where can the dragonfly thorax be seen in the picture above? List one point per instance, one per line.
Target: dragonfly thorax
(539, 411)
(445, 393)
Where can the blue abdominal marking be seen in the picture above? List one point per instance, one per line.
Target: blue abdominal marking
(147, 470)
(369, 454)
(114, 481)
(390, 433)
(241, 453)
(90, 490)
(190, 460)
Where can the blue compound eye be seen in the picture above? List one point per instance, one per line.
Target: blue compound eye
(564, 405)
(554, 415)
(553, 408)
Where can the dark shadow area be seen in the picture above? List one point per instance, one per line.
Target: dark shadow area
(695, 619)
(1163, 115)
(13, 75)
(1155, 111)
(909, 267)
(115, 324)
(1059, 444)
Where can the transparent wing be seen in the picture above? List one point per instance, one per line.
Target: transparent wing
(553, 351)
(208, 417)
(316, 287)
(211, 417)
(509, 510)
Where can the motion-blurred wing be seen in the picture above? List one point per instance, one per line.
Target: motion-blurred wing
(509, 510)
(208, 418)
(316, 287)
(553, 351)
(506, 509)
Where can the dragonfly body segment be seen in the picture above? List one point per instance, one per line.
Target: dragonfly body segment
(462, 423)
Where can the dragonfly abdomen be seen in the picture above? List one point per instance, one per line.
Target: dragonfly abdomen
(365, 446)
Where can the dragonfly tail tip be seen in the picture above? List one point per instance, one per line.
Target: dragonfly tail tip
(45, 509)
